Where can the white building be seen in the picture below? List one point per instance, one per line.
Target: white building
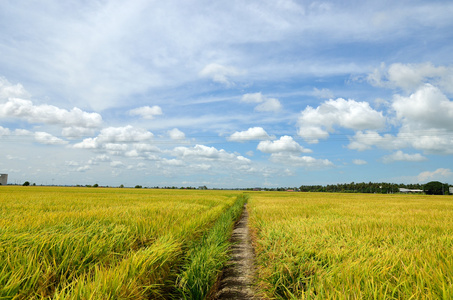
(403, 190)
(3, 179)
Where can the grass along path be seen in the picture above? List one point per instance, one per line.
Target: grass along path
(207, 257)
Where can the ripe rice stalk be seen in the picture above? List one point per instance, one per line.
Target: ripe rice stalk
(343, 246)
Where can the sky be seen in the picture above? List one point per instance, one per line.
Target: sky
(226, 94)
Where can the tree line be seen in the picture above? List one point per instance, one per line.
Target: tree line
(433, 187)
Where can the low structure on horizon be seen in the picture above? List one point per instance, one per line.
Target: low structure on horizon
(403, 190)
(3, 179)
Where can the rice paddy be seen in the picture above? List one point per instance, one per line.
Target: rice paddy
(95, 243)
(352, 246)
(100, 243)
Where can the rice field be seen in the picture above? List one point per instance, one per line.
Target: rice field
(352, 246)
(97, 243)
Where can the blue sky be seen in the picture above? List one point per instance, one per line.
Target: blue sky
(226, 93)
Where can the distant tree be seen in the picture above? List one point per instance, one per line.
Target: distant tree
(95, 185)
(121, 186)
(138, 186)
(26, 183)
(434, 188)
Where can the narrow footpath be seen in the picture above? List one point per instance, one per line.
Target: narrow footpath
(237, 278)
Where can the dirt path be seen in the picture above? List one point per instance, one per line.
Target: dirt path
(237, 277)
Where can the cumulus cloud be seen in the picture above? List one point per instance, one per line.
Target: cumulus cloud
(411, 76)
(76, 132)
(48, 139)
(265, 103)
(365, 140)
(253, 133)
(8, 90)
(220, 74)
(146, 112)
(126, 141)
(176, 134)
(315, 124)
(438, 174)
(425, 124)
(202, 152)
(48, 114)
(401, 156)
(427, 108)
(125, 134)
(284, 144)
(307, 162)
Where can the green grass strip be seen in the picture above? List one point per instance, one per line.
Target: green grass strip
(206, 258)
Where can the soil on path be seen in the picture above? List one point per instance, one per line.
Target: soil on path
(237, 278)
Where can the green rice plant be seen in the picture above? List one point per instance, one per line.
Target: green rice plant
(207, 257)
(353, 246)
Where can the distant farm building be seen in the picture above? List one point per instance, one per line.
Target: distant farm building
(403, 190)
(3, 179)
(450, 189)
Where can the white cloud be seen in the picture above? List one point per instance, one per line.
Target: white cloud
(253, 98)
(284, 144)
(270, 104)
(4, 131)
(83, 168)
(116, 164)
(113, 135)
(76, 132)
(359, 162)
(265, 103)
(48, 139)
(8, 90)
(126, 141)
(220, 74)
(176, 134)
(202, 152)
(411, 76)
(146, 112)
(99, 158)
(432, 141)
(48, 114)
(365, 140)
(253, 133)
(438, 174)
(172, 162)
(322, 93)
(315, 124)
(427, 108)
(425, 124)
(307, 162)
(401, 156)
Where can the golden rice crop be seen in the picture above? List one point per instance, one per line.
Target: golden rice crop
(353, 246)
(97, 243)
